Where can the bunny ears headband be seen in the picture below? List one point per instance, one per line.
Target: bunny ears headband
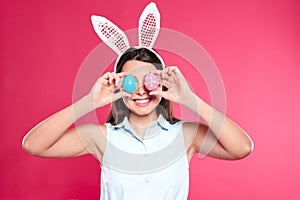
(115, 38)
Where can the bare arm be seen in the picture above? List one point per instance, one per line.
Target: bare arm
(52, 138)
(219, 137)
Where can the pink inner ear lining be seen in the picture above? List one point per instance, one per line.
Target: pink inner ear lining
(110, 32)
(148, 29)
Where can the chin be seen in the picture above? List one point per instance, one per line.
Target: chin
(142, 111)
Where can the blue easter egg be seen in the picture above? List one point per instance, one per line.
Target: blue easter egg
(129, 84)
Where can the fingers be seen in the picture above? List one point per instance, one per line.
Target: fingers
(115, 79)
(168, 76)
(167, 70)
(157, 92)
(112, 78)
(122, 74)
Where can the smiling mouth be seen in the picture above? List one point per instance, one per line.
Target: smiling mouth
(142, 102)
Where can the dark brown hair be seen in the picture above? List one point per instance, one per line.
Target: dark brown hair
(118, 112)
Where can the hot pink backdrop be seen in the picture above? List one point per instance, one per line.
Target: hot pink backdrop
(255, 44)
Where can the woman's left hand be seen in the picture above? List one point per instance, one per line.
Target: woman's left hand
(178, 90)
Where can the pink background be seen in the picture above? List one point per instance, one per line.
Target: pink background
(255, 44)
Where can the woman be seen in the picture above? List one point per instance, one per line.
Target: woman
(144, 151)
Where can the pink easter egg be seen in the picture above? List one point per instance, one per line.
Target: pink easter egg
(151, 82)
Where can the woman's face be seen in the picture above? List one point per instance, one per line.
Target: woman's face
(140, 102)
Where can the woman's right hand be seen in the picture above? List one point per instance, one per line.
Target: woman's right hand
(103, 91)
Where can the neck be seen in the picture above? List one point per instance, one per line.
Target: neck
(142, 121)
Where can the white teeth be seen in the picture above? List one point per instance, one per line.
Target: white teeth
(142, 101)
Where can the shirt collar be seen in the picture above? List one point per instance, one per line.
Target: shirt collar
(161, 122)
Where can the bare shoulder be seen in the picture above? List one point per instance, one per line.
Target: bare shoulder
(91, 129)
(194, 132)
(101, 128)
(93, 138)
(92, 132)
(191, 129)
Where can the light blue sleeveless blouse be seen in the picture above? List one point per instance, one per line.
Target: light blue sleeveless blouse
(155, 168)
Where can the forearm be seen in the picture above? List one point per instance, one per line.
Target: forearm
(47, 132)
(232, 137)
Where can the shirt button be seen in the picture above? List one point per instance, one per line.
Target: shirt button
(146, 181)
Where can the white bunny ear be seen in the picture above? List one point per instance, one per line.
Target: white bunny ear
(149, 25)
(110, 34)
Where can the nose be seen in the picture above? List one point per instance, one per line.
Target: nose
(141, 90)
